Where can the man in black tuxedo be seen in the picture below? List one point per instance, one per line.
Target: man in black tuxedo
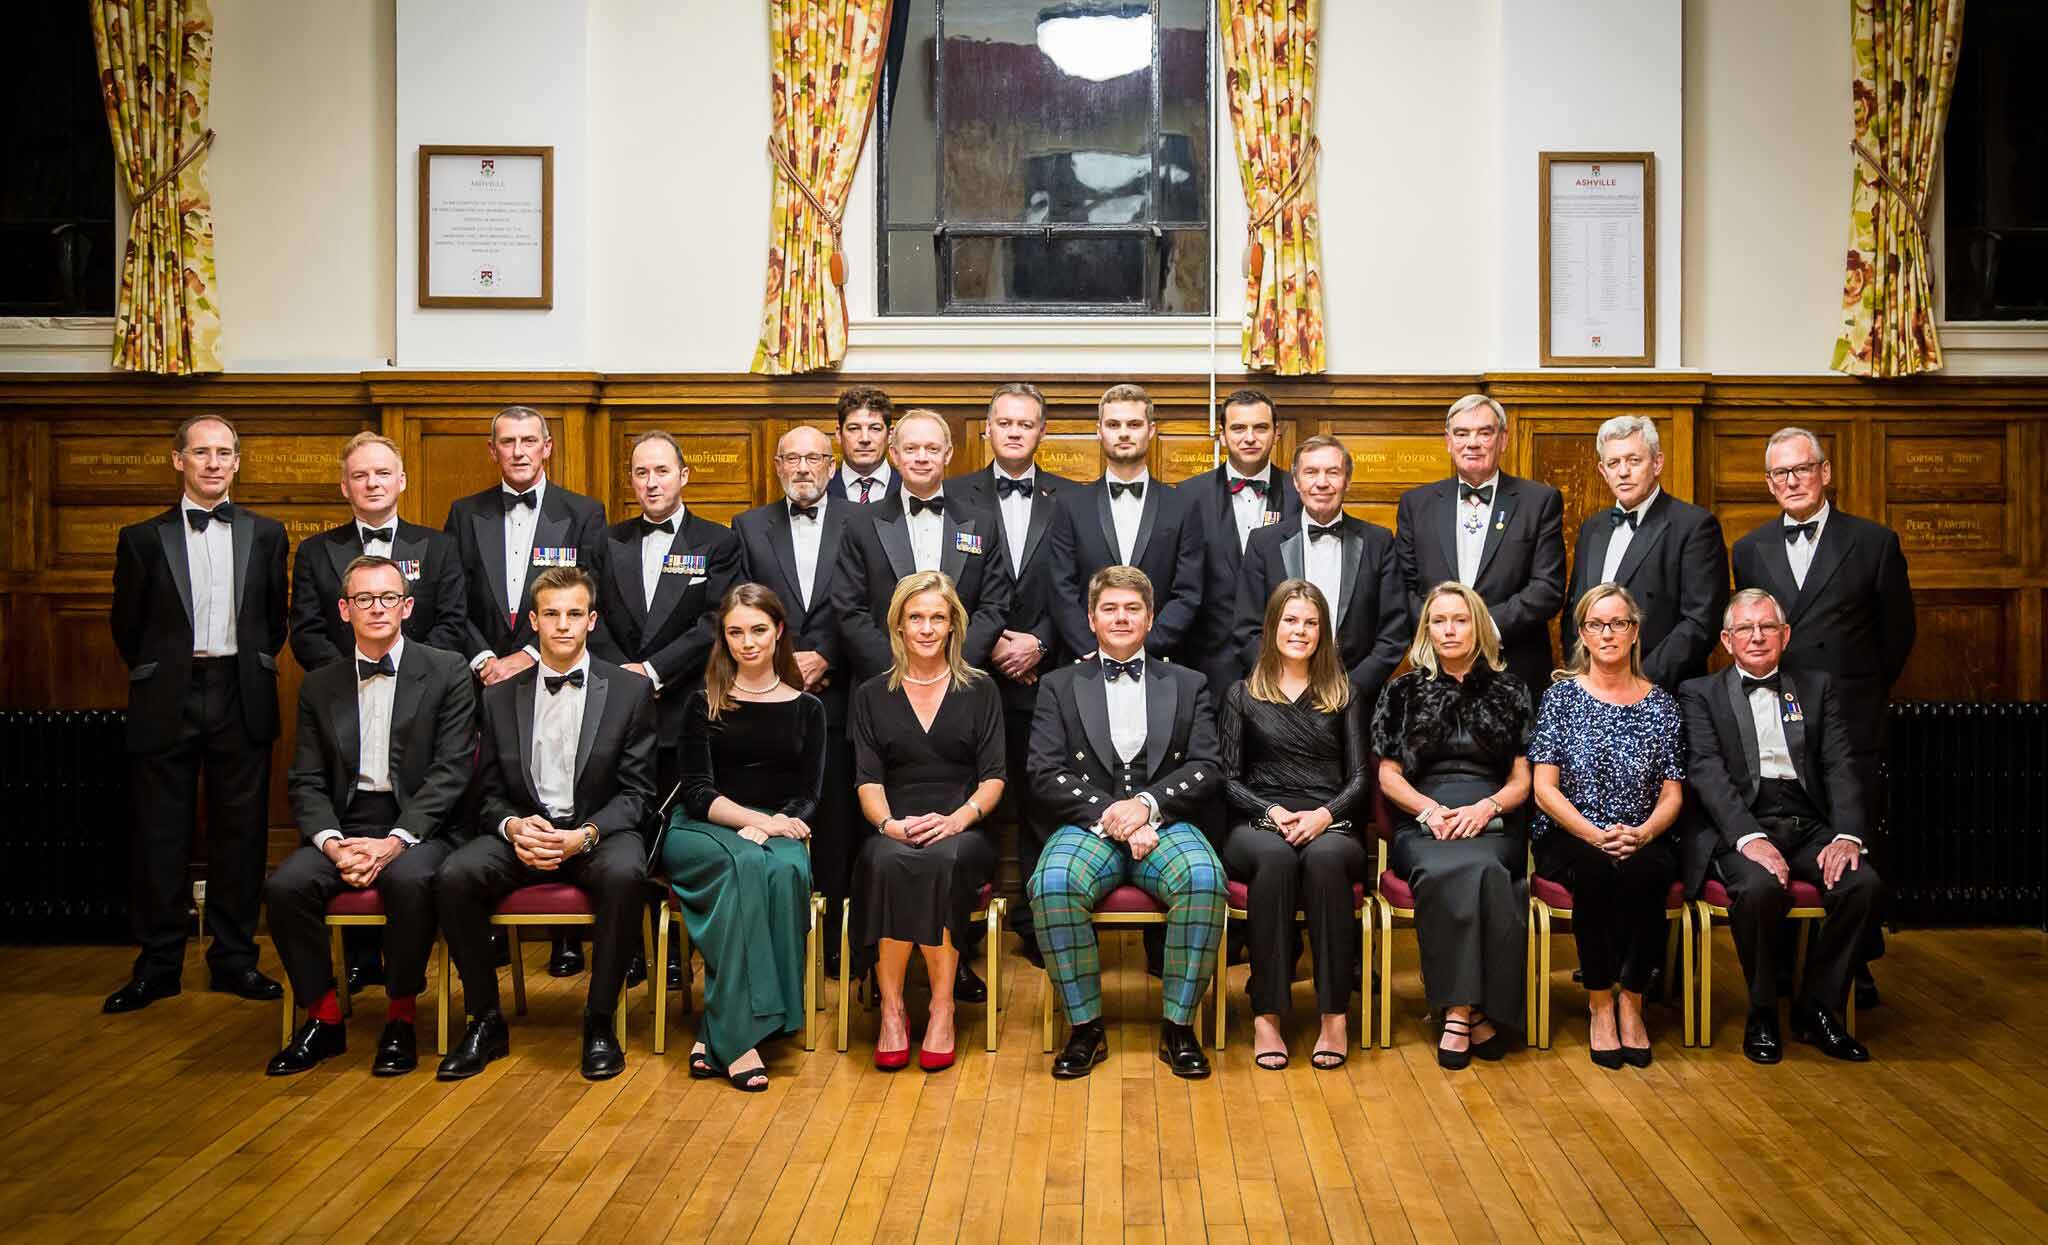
(666, 570)
(372, 480)
(199, 617)
(1668, 553)
(1770, 761)
(386, 742)
(1351, 560)
(792, 546)
(507, 535)
(1231, 504)
(1126, 518)
(1022, 496)
(1498, 534)
(865, 417)
(567, 762)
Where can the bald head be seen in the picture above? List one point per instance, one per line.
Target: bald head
(803, 460)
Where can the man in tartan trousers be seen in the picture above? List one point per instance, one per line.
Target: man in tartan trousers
(1123, 757)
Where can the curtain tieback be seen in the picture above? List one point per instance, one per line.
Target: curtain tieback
(205, 141)
(1913, 206)
(1254, 253)
(780, 154)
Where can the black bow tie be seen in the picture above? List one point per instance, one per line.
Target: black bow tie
(918, 505)
(1135, 488)
(527, 499)
(1239, 484)
(1006, 487)
(1112, 669)
(802, 512)
(1793, 531)
(1769, 683)
(1618, 516)
(200, 518)
(555, 681)
(1334, 529)
(378, 533)
(371, 669)
(1484, 492)
(648, 526)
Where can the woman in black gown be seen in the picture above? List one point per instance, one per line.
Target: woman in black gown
(928, 761)
(1451, 734)
(1295, 776)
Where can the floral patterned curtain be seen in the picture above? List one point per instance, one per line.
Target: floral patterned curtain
(824, 58)
(1905, 54)
(156, 68)
(1269, 54)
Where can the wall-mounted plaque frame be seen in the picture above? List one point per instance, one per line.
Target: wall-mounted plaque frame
(487, 227)
(1596, 249)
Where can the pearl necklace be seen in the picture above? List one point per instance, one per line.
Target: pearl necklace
(755, 691)
(940, 677)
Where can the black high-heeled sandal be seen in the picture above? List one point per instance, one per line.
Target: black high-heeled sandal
(1455, 1060)
(1493, 1049)
(701, 1067)
(1271, 1060)
(1326, 1060)
(752, 1081)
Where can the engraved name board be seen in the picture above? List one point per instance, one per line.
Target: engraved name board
(1949, 526)
(1397, 458)
(1944, 460)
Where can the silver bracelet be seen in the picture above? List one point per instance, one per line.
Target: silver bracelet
(978, 813)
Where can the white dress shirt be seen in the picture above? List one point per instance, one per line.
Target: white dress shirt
(927, 529)
(804, 535)
(557, 726)
(1322, 562)
(1472, 518)
(520, 523)
(850, 479)
(1617, 544)
(1249, 507)
(374, 698)
(1773, 754)
(1016, 512)
(1799, 552)
(377, 548)
(1126, 513)
(210, 558)
(654, 547)
(1127, 727)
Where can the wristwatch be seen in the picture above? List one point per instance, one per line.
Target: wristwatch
(589, 839)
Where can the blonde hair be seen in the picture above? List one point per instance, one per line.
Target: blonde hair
(1327, 682)
(916, 584)
(1422, 651)
(1582, 659)
(1125, 393)
(919, 412)
(362, 439)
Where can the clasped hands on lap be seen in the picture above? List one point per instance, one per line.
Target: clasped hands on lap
(1130, 823)
(360, 860)
(1300, 828)
(539, 845)
(1464, 822)
(1839, 857)
(925, 829)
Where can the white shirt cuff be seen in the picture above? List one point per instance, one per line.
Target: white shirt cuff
(531, 651)
(1747, 839)
(320, 839)
(502, 830)
(482, 659)
(404, 836)
(1151, 803)
(1852, 838)
(652, 676)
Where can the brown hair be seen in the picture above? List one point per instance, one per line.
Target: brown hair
(661, 436)
(1327, 683)
(178, 441)
(1120, 577)
(721, 670)
(1125, 393)
(1322, 442)
(1582, 659)
(1018, 389)
(522, 413)
(865, 398)
(373, 562)
(1251, 397)
(916, 584)
(558, 578)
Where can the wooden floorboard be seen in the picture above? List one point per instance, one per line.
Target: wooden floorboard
(160, 1127)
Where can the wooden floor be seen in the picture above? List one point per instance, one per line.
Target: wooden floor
(160, 1127)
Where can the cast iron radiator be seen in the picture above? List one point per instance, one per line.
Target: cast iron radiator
(64, 835)
(1966, 821)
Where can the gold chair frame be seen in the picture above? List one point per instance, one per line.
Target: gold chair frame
(671, 915)
(1365, 965)
(1808, 917)
(513, 923)
(1541, 916)
(992, 920)
(1120, 919)
(335, 924)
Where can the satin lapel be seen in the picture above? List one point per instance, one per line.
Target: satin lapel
(668, 589)
(952, 558)
(342, 548)
(1593, 557)
(894, 533)
(244, 539)
(1294, 555)
(1738, 704)
(1441, 513)
(489, 531)
(1654, 525)
(1353, 541)
(625, 559)
(598, 687)
(345, 718)
(405, 704)
(1827, 559)
(1162, 702)
(1146, 520)
(1108, 519)
(1091, 698)
(1496, 526)
(522, 699)
(1795, 728)
(171, 532)
(783, 545)
(1042, 503)
(1778, 565)
(831, 531)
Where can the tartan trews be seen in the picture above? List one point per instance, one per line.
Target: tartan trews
(1077, 869)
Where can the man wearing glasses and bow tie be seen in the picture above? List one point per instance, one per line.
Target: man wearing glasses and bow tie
(1500, 535)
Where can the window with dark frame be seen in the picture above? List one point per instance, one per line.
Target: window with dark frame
(1046, 158)
(1995, 168)
(56, 171)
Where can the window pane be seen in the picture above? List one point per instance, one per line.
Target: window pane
(913, 282)
(1107, 271)
(1184, 110)
(56, 171)
(1186, 279)
(909, 114)
(1995, 178)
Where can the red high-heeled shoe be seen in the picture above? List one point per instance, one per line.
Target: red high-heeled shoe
(892, 1060)
(934, 1061)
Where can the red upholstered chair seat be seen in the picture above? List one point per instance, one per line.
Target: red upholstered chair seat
(365, 902)
(1129, 899)
(1554, 894)
(1396, 890)
(1804, 894)
(1238, 895)
(987, 892)
(546, 899)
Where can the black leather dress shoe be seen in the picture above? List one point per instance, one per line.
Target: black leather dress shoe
(1086, 1046)
(247, 984)
(1820, 1027)
(967, 987)
(483, 1040)
(602, 1058)
(397, 1051)
(1181, 1051)
(1760, 1041)
(567, 960)
(365, 974)
(314, 1041)
(675, 972)
(636, 971)
(140, 993)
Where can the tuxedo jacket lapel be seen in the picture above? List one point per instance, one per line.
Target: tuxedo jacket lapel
(1795, 729)
(345, 720)
(1442, 515)
(893, 531)
(1108, 520)
(1592, 559)
(596, 687)
(171, 532)
(831, 531)
(1827, 559)
(1091, 700)
(952, 558)
(1496, 526)
(1162, 702)
(668, 589)
(1745, 727)
(1042, 503)
(522, 700)
(488, 528)
(1146, 519)
(409, 544)
(783, 545)
(405, 706)
(1353, 542)
(342, 547)
(625, 560)
(1778, 566)
(1294, 555)
(1654, 525)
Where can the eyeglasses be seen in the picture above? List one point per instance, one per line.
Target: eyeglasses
(804, 460)
(1750, 631)
(364, 600)
(1619, 626)
(1797, 471)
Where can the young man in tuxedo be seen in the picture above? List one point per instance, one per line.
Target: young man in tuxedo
(865, 417)
(1244, 496)
(506, 536)
(1668, 553)
(567, 763)
(666, 570)
(1126, 518)
(791, 545)
(1022, 495)
(199, 616)
(1351, 560)
(1123, 760)
(1770, 760)
(1498, 534)
(386, 742)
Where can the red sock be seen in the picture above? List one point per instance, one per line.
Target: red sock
(403, 1007)
(327, 1009)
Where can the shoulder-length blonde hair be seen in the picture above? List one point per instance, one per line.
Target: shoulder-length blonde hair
(1422, 652)
(1582, 656)
(1327, 683)
(915, 584)
(721, 669)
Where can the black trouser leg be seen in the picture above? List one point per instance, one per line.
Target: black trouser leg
(237, 825)
(1270, 868)
(472, 881)
(297, 896)
(407, 888)
(165, 787)
(1836, 948)
(615, 878)
(1330, 864)
(1756, 908)
(1618, 906)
